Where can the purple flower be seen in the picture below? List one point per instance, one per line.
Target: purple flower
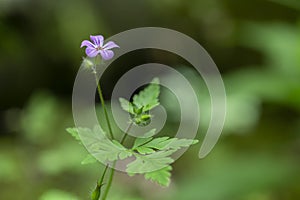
(97, 46)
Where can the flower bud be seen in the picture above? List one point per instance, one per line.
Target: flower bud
(96, 194)
(87, 63)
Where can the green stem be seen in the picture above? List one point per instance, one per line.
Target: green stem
(126, 133)
(100, 182)
(112, 172)
(103, 105)
(97, 192)
(111, 176)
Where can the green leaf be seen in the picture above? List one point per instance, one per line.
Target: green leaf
(150, 162)
(159, 143)
(166, 143)
(74, 133)
(149, 133)
(148, 98)
(144, 150)
(179, 143)
(125, 154)
(140, 141)
(142, 103)
(126, 105)
(100, 146)
(150, 145)
(146, 137)
(106, 150)
(89, 159)
(162, 176)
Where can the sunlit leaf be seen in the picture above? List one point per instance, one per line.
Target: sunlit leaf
(163, 143)
(126, 105)
(74, 133)
(89, 159)
(150, 162)
(162, 176)
(148, 98)
(100, 146)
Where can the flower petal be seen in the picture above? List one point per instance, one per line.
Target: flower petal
(107, 54)
(91, 52)
(87, 44)
(110, 45)
(97, 40)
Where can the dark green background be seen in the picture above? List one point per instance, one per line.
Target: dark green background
(255, 44)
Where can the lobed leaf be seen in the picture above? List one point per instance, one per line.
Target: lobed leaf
(144, 150)
(101, 147)
(163, 143)
(179, 143)
(126, 105)
(148, 98)
(89, 159)
(140, 141)
(74, 133)
(150, 162)
(107, 150)
(161, 176)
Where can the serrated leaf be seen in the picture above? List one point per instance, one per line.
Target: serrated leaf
(126, 105)
(89, 159)
(179, 143)
(100, 146)
(125, 154)
(150, 145)
(74, 133)
(108, 151)
(148, 98)
(140, 141)
(159, 143)
(144, 150)
(166, 143)
(90, 136)
(118, 144)
(162, 176)
(150, 162)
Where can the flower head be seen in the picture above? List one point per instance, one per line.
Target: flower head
(97, 46)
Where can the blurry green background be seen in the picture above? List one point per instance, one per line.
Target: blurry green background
(255, 44)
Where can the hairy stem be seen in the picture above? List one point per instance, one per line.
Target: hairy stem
(112, 170)
(113, 167)
(100, 181)
(111, 176)
(103, 105)
(97, 192)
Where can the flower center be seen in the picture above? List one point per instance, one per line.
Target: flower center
(99, 48)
